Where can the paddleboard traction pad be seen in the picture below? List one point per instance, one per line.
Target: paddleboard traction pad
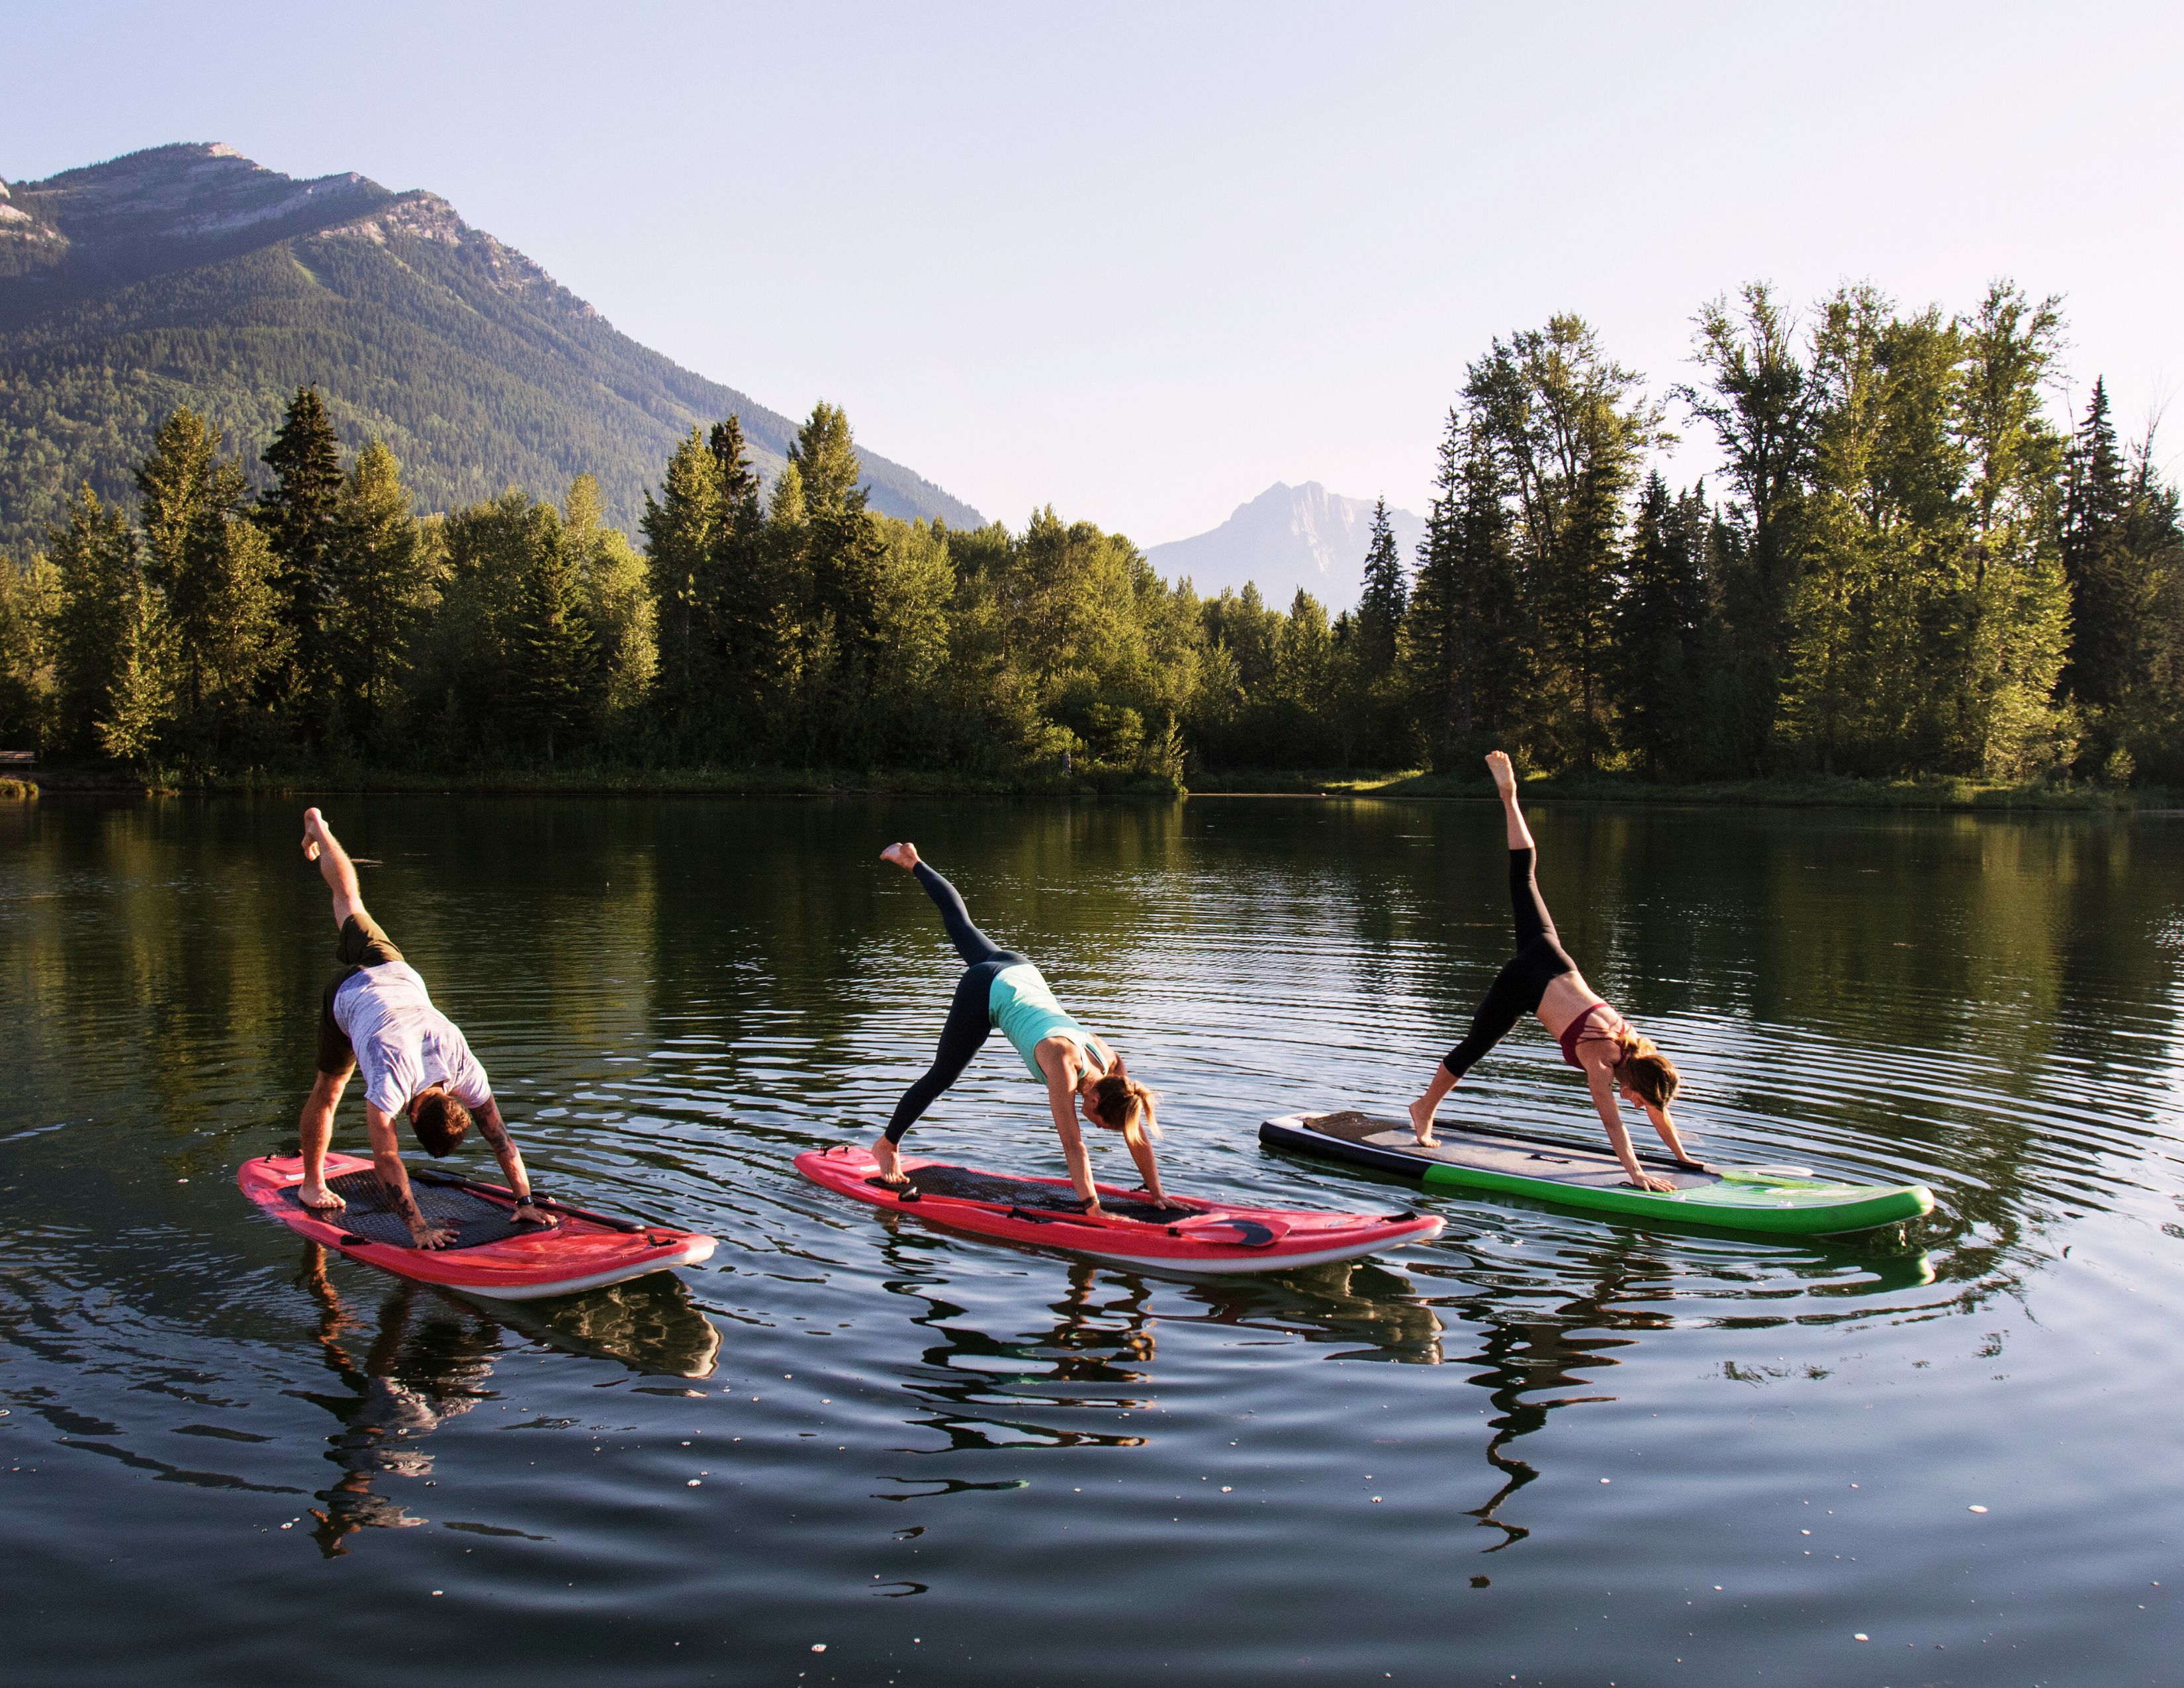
(1034, 1195)
(373, 1218)
(1538, 1158)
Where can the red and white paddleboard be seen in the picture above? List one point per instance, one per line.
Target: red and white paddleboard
(490, 1256)
(1185, 1236)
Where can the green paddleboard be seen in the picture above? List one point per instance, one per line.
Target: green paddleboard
(1778, 1202)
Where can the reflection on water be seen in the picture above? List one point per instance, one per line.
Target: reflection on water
(404, 1374)
(936, 1456)
(426, 1357)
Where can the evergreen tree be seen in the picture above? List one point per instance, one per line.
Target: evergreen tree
(213, 572)
(1301, 688)
(2108, 606)
(2145, 726)
(1464, 641)
(758, 608)
(834, 552)
(1380, 607)
(683, 530)
(1762, 405)
(301, 512)
(109, 649)
(140, 699)
(1661, 624)
(617, 605)
(30, 599)
(381, 576)
(553, 648)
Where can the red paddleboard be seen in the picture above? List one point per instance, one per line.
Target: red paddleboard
(1187, 1236)
(492, 1256)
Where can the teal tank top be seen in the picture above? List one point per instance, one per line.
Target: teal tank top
(1022, 1005)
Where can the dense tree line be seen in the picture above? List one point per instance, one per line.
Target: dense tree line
(1905, 567)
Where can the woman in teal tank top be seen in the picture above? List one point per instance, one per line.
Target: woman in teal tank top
(1000, 989)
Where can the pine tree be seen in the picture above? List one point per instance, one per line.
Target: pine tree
(839, 550)
(2107, 607)
(1380, 607)
(382, 577)
(682, 529)
(757, 616)
(140, 699)
(617, 605)
(30, 599)
(555, 653)
(301, 514)
(1464, 642)
(1763, 406)
(214, 573)
(109, 649)
(1660, 625)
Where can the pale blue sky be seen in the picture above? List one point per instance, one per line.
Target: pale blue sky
(1142, 262)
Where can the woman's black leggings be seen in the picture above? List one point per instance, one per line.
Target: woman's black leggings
(1517, 989)
(970, 1017)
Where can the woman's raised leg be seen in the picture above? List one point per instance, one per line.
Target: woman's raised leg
(971, 943)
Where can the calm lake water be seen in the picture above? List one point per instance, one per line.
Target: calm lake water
(1544, 1449)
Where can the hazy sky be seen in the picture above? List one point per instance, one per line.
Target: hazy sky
(1142, 262)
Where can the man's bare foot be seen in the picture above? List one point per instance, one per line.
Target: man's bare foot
(313, 821)
(1422, 1113)
(889, 1159)
(319, 1197)
(903, 856)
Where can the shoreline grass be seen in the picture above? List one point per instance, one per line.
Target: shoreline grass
(1929, 793)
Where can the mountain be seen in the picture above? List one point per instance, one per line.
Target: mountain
(188, 274)
(1288, 537)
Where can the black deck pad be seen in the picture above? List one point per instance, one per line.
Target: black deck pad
(371, 1215)
(1534, 1157)
(1028, 1194)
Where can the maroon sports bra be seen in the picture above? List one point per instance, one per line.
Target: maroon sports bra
(1575, 1033)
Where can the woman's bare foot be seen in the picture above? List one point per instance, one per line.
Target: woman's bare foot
(1505, 776)
(903, 856)
(318, 1198)
(1422, 1113)
(889, 1159)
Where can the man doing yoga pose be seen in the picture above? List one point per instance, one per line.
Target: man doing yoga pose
(1541, 979)
(1001, 988)
(375, 1012)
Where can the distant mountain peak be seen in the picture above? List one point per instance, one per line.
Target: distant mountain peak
(1287, 539)
(191, 274)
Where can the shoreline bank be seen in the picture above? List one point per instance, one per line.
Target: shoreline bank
(1932, 793)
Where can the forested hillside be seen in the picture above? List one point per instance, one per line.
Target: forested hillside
(189, 276)
(1906, 566)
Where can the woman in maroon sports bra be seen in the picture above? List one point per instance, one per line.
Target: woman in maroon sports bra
(1541, 979)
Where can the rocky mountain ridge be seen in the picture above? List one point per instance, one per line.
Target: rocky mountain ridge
(189, 273)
